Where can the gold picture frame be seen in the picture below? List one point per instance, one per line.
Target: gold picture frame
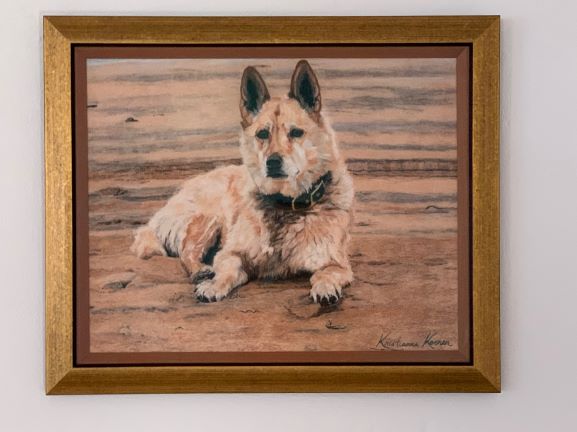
(480, 33)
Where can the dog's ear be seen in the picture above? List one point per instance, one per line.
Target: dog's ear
(305, 88)
(253, 94)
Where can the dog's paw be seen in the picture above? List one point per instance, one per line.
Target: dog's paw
(326, 293)
(205, 273)
(208, 291)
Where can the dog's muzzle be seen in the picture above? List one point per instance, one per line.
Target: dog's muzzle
(274, 166)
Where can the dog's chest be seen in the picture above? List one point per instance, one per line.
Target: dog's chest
(295, 242)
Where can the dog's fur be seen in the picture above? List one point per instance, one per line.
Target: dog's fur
(259, 223)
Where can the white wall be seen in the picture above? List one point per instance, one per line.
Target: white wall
(539, 273)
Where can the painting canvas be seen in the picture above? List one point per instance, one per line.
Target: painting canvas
(272, 205)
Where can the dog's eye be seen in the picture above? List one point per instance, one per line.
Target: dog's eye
(263, 134)
(296, 133)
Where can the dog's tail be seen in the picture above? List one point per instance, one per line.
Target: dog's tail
(146, 243)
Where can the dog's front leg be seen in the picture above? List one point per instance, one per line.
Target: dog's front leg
(229, 274)
(328, 283)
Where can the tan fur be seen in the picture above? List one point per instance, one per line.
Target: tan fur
(257, 241)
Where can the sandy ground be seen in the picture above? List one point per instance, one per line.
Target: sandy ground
(153, 124)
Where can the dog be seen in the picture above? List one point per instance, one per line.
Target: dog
(286, 210)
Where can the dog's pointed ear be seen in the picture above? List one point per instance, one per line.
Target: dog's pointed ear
(253, 94)
(305, 87)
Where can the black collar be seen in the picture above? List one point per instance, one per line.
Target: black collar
(302, 202)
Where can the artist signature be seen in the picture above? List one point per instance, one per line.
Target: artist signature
(431, 340)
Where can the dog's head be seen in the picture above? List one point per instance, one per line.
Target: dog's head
(286, 144)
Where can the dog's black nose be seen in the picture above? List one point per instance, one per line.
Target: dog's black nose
(274, 166)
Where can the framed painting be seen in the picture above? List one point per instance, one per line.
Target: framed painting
(272, 204)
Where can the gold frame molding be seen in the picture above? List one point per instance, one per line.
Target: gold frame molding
(480, 32)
